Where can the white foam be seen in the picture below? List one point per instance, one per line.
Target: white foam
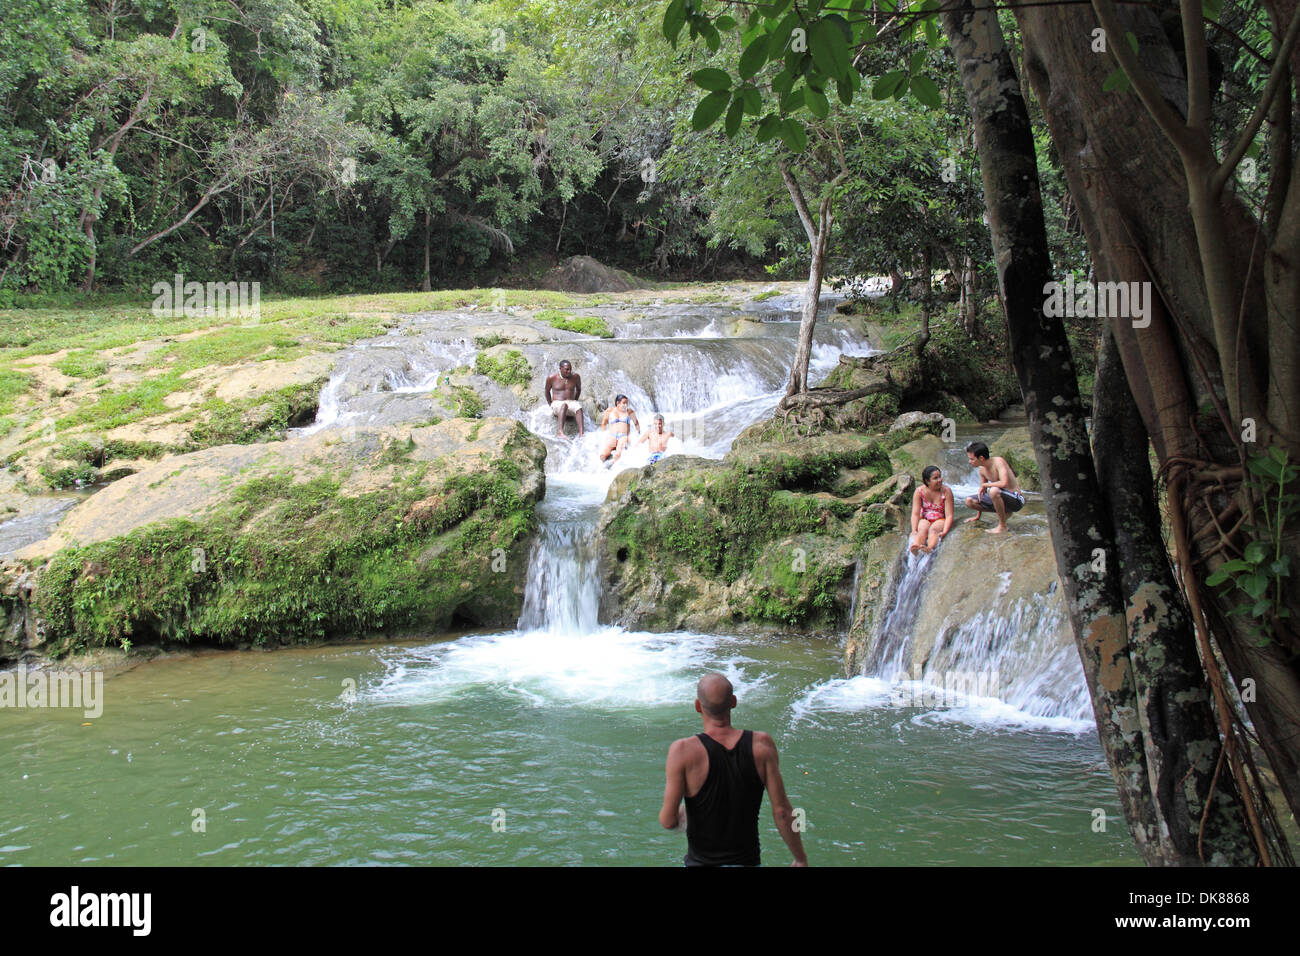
(609, 667)
(859, 694)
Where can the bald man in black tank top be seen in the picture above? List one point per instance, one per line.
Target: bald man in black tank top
(721, 775)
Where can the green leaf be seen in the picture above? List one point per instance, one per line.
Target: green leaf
(1260, 608)
(753, 100)
(1132, 40)
(768, 127)
(884, 87)
(1256, 552)
(793, 135)
(1116, 82)
(817, 103)
(1235, 565)
(710, 108)
(901, 89)
(926, 91)
(1253, 584)
(1265, 467)
(712, 39)
(712, 79)
(781, 35)
(916, 61)
(732, 123)
(754, 57)
(845, 90)
(725, 23)
(1281, 567)
(674, 18)
(829, 45)
(933, 38)
(1217, 578)
(783, 82)
(790, 102)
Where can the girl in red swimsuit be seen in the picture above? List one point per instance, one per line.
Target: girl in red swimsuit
(931, 510)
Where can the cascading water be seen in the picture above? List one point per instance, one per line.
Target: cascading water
(709, 386)
(888, 655)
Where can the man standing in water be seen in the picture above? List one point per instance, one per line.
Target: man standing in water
(999, 488)
(721, 775)
(562, 393)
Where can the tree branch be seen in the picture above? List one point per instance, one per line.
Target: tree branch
(1280, 70)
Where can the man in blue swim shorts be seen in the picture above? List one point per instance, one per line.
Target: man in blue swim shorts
(658, 439)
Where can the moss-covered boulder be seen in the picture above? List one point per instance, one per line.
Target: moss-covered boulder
(1015, 446)
(913, 456)
(768, 537)
(331, 535)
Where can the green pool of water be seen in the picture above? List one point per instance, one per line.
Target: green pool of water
(532, 749)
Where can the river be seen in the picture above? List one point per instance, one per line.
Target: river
(545, 745)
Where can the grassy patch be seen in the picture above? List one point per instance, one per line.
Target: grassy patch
(467, 402)
(581, 324)
(511, 368)
(82, 363)
(262, 418)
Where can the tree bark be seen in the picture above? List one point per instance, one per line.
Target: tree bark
(1132, 191)
(1183, 749)
(1080, 524)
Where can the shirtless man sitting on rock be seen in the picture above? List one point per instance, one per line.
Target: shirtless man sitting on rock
(999, 488)
(563, 389)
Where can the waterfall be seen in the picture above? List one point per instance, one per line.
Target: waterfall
(562, 589)
(952, 638)
(888, 654)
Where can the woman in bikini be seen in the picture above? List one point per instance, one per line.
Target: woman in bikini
(931, 510)
(618, 418)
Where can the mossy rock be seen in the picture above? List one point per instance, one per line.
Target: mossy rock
(1016, 447)
(707, 544)
(319, 537)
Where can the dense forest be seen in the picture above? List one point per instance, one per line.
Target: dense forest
(363, 146)
(355, 145)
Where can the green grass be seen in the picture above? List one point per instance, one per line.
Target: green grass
(511, 368)
(82, 363)
(582, 324)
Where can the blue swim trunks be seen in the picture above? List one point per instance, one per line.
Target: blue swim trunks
(655, 457)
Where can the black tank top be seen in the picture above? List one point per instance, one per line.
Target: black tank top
(722, 819)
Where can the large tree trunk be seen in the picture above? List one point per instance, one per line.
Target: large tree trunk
(1082, 533)
(1132, 191)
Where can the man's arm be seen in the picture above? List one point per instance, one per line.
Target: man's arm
(577, 386)
(645, 437)
(674, 789)
(767, 761)
(548, 390)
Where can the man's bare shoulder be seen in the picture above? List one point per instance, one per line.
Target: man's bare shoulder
(684, 745)
(764, 742)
